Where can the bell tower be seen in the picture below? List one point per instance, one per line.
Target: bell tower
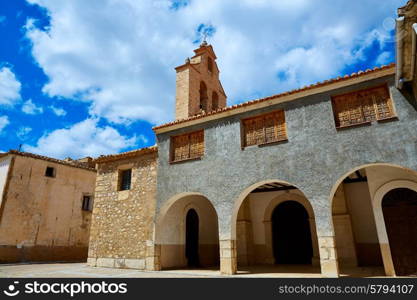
(198, 87)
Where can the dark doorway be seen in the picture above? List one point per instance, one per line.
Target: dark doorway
(291, 234)
(191, 239)
(400, 214)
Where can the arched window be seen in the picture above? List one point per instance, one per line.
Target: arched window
(210, 64)
(215, 101)
(203, 96)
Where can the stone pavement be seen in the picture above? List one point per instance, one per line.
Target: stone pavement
(81, 270)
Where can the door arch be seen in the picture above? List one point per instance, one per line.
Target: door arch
(291, 235)
(399, 207)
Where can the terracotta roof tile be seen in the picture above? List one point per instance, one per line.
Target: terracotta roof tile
(248, 103)
(128, 154)
(72, 163)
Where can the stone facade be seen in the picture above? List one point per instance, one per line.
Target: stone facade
(122, 223)
(41, 218)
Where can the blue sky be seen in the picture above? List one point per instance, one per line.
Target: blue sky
(82, 78)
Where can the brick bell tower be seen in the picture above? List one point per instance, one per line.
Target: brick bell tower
(199, 89)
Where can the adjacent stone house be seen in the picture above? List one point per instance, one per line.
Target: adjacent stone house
(45, 207)
(323, 176)
(124, 208)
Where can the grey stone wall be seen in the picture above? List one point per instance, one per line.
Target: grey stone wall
(315, 157)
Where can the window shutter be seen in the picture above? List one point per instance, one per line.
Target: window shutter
(196, 144)
(187, 146)
(362, 107)
(265, 129)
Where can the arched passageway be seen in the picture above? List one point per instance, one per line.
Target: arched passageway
(187, 233)
(374, 212)
(399, 207)
(276, 231)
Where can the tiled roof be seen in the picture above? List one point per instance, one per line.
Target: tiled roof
(72, 163)
(129, 154)
(252, 102)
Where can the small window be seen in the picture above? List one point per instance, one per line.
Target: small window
(50, 172)
(87, 203)
(265, 129)
(187, 146)
(362, 107)
(125, 179)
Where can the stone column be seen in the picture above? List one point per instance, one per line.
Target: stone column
(153, 256)
(313, 232)
(228, 259)
(328, 256)
(269, 255)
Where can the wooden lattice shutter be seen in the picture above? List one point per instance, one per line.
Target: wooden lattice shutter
(181, 147)
(187, 146)
(384, 108)
(265, 129)
(196, 144)
(362, 107)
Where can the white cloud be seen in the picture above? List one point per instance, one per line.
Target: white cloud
(383, 58)
(120, 55)
(23, 131)
(85, 138)
(9, 87)
(30, 108)
(4, 121)
(60, 112)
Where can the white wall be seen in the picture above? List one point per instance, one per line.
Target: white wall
(4, 169)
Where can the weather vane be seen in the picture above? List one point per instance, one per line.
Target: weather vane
(205, 34)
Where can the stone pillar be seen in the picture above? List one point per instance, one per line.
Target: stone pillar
(244, 236)
(269, 255)
(328, 256)
(228, 259)
(313, 232)
(153, 256)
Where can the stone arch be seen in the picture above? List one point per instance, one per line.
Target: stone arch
(242, 196)
(352, 170)
(402, 178)
(380, 222)
(309, 208)
(170, 231)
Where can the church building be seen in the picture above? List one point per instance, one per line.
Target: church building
(323, 177)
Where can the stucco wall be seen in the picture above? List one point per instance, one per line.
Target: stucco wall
(315, 157)
(123, 220)
(42, 219)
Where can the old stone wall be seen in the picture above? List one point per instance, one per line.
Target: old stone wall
(123, 220)
(41, 218)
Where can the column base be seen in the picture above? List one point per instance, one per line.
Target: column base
(328, 257)
(228, 259)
